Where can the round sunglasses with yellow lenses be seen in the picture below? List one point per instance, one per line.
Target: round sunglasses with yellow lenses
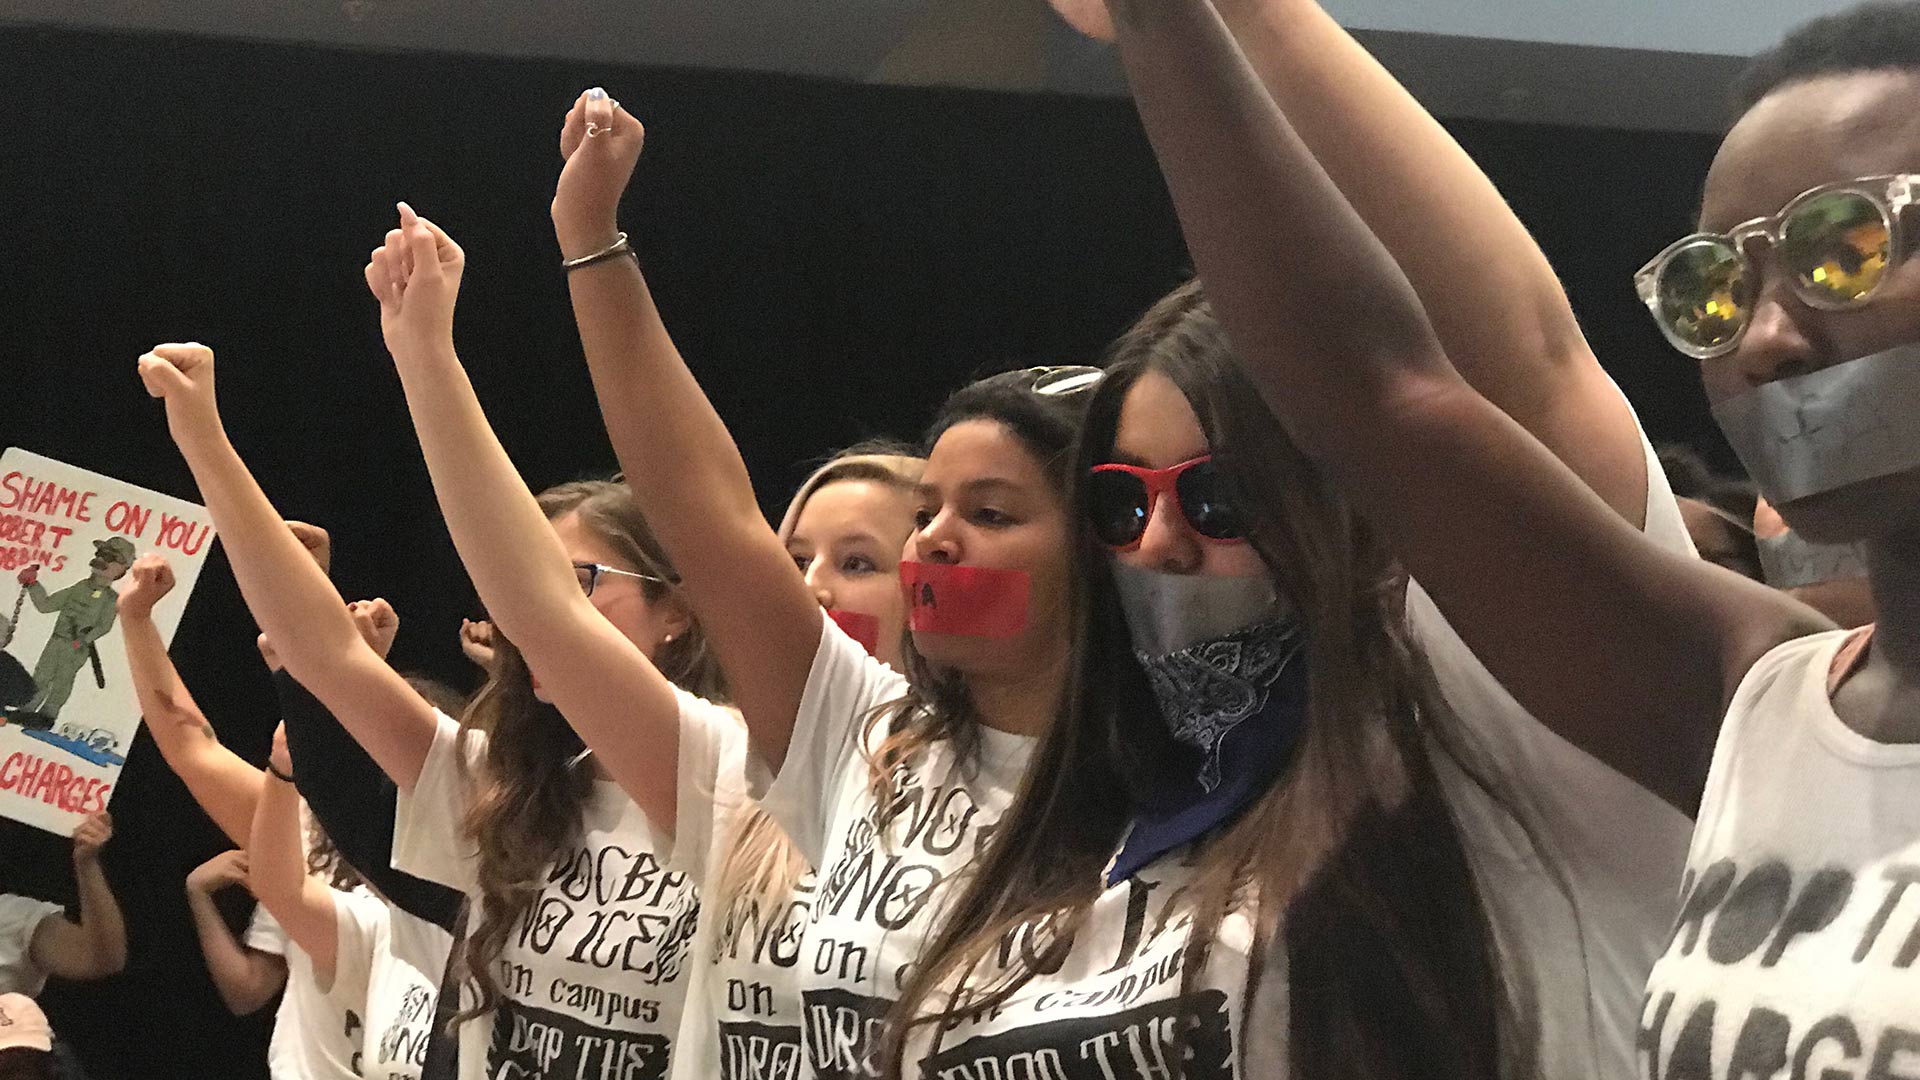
(1837, 242)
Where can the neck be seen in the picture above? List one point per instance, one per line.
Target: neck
(1024, 703)
(1893, 573)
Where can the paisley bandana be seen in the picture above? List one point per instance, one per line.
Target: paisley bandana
(1237, 696)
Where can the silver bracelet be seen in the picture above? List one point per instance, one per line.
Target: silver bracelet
(614, 250)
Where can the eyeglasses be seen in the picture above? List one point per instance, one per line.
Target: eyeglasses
(1063, 379)
(590, 574)
(1121, 500)
(1837, 242)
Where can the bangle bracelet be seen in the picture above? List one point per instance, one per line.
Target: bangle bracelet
(277, 773)
(614, 250)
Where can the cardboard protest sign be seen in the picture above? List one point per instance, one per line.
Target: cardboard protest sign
(66, 537)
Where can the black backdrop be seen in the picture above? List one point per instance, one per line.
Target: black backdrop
(832, 259)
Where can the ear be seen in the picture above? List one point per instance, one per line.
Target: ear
(674, 614)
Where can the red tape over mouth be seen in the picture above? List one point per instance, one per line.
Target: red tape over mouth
(978, 601)
(859, 626)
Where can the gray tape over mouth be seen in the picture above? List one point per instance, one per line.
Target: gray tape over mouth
(1789, 561)
(1837, 426)
(1170, 612)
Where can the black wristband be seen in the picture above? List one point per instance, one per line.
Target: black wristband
(278, 773)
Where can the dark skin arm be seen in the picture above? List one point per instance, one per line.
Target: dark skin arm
(1629, 652)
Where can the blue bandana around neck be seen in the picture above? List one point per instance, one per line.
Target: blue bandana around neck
(1237, 697)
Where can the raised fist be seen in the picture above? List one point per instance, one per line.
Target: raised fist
(182, 376)
(152, 578)
(91, 836)
(601, 143)
(415, 275)
(316, 541)
(224, 869)
(476, 640)
(377, 622)
(30, 575)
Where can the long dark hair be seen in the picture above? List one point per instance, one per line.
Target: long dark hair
(937, 705)
(1352, 857)
(526, 801)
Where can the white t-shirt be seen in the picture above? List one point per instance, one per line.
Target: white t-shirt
(1797, 948)
(879, 893)
(1575, 951)
(743, 1003)
(594, 975)
(392, 961)
(20, 916)
(1574, 959)
(316, 1033)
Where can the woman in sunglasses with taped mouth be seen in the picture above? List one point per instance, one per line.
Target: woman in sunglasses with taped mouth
(1794, 947)
(1291, 825)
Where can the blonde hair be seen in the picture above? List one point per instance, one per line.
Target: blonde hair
(761, 862)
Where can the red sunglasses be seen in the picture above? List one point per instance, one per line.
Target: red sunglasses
(1121, 499)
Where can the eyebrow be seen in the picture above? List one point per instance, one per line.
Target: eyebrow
(971, 487)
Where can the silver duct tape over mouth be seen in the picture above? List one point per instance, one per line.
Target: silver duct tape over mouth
(1825, 430)
(1170, 612)
(1789, 561)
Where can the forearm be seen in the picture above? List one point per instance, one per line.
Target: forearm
(1261, 218)
(353, 802)
(287, 592)
(228, 962)
(224, 785)
(100, 919)
(517, 563)
(677, 453)
(1484, 281)
(42, 602)
(277, 873)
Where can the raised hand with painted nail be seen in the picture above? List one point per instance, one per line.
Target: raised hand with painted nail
(416, 277)
(600, 142)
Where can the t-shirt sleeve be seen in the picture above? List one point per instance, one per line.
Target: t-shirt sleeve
(353, 802)
(1569, 790)
(20, 917)
(844, 689)
(264, 933)
(359, 923)
(428, 840)
(711, 785)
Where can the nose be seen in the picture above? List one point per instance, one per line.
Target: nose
(938, 541)
(1780, 341)
(1169, 544)
(817, 581)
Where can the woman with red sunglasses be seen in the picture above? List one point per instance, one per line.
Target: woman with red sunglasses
(1794, 947)
(1343, 849)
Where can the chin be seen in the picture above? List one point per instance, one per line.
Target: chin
(1871, 509)
(964, 653)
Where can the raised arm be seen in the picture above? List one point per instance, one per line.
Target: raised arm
(1494, 302)
(246, 978)
(224, 785)
(1629, 652)
(600, 681)
(287, 592)
(277, 867)
(679, 460)
(96, 946)
(345, 790)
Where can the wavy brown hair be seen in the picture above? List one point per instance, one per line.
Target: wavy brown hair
(526, 797)
(1351, 860)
